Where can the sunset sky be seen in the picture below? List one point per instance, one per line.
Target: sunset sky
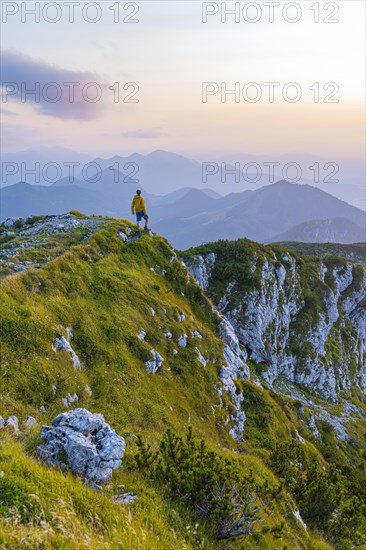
(169, 53)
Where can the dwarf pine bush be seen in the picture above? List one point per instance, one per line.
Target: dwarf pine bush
(210, 484)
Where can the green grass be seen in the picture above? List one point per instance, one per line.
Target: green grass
(105, 290)
(45, 508)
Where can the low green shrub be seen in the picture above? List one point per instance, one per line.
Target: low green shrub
(211, 485)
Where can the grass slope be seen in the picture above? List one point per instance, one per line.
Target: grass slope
(105, 290)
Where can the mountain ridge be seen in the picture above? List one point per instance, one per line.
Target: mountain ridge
(162, 171)
(260, 215)
(337, 230)
(112, 303)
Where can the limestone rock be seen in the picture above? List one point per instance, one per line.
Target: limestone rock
(30, 421)
(13, 422)
(12, 222)
(63, 344)
(201, 269)
(265, 321)
(84, 443)
(70, 399)
(155, 364)
(142, 335)
(125, 498)
(313, 427)
(182, 342)
(201, 359)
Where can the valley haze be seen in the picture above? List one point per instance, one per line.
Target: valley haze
(189, 202)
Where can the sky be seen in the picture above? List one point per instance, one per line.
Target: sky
(161, 74)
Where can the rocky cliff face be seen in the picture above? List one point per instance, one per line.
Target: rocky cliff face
(303, 321)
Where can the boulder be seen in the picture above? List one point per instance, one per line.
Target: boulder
(70, 399)
(84, 443)
(155, 364)
(13, 422)
(12, 222)
(142, 335)
(30, 421)
(182, 342)
(122, 236)
(126, 498)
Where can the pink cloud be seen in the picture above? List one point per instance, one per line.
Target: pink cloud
(52, 90)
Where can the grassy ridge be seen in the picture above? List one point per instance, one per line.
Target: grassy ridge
(105, 290)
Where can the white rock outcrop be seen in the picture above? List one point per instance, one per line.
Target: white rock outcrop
(201, 359)
(329, 354)
(182, 341)
(12, 222)
(122, 236)
(153, 365)
(201, 268)
(30, 421)
(84, 443)
(12, 422)
(142, 335)
(62, 344)
(70, 399)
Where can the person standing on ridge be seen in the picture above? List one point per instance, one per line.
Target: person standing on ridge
(138, 205)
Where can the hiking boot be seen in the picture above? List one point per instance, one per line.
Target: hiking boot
(146, 229)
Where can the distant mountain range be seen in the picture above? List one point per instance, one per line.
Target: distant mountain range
(162, 172)
(262, 215)
(188, 217)
(355, 252)
(18, 166)
(336, 230)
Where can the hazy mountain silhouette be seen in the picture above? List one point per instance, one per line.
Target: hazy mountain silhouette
(30, 157)
(336, 230)
(258, 215)
(25, 200)
(196, 216)
(163, 172)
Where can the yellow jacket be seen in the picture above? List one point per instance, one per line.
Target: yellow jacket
(138, 204)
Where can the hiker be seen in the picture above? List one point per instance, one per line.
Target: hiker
(138, 206)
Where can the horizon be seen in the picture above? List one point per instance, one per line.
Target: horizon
(227, 96)
(247, 171)
(173, 109)
(132, 152)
